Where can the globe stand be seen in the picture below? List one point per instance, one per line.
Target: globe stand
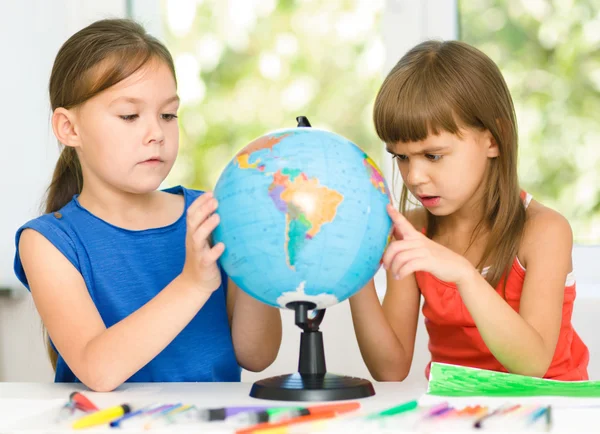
(303, 121)
(312, 382)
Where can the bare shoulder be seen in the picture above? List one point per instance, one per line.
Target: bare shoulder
(542, 220)
(42, 260)
(31, 242)
(545, 229)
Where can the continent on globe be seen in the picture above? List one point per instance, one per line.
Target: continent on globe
(375, 175)
(264, 142)
(243, 161)
(307, 206)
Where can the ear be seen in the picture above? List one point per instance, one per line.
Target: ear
(63, 125)
(491, 145)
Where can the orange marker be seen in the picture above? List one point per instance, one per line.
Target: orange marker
(343, 407)
(481, 411)
(273, 427)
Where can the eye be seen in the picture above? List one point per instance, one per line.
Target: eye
(168, 116)
(433, 157)
(400, 157)
(129, 118)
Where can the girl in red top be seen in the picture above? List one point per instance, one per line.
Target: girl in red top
(494, 267)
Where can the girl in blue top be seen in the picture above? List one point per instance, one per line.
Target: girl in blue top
(123, 275)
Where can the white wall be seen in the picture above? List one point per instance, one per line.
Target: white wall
(34, 31)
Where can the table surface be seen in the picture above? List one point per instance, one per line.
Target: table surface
(33, 407)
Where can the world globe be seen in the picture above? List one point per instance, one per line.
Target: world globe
(302, 217)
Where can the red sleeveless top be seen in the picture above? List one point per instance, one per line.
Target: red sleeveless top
(454, 338)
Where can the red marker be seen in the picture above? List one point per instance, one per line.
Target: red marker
(267, 427)
(81, 402)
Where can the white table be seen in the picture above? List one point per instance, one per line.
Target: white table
(205, 395)
(32, 407)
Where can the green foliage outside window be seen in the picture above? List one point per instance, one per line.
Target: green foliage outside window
(549, 53)
(244, 72)
(246, 67)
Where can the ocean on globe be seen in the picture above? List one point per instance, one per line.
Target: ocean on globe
(303, 217)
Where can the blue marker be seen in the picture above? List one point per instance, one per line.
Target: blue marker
(537, 414)
(148, 409)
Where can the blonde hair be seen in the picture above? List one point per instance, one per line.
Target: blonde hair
(92, 60)
(444, 86)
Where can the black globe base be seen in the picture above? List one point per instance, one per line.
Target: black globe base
(296, 387)
(312, 382)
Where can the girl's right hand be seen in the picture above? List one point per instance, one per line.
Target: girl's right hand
(200, 268)
(412, 251)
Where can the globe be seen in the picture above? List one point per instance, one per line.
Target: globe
(303, 218)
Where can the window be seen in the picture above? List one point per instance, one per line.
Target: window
(548, 53)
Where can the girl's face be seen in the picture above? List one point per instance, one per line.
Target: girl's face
(446, 172)
(128, 134)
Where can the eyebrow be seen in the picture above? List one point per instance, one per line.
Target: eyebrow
(431, 150)
(133, 100)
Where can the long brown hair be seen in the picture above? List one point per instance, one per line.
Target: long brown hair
(89, 62)
(443, 86)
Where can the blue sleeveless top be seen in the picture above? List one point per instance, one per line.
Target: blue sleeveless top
(123, 270)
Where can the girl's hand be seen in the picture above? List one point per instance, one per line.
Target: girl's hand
(200, 268)
(412, 251)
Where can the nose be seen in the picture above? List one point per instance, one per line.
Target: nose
(416, 174)
(154, 132)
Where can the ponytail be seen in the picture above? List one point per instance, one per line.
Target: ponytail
(67, 180)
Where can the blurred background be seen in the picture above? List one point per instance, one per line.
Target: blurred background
(249, 66)
(246, 67)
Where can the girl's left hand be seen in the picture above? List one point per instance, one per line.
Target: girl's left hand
(413, 251)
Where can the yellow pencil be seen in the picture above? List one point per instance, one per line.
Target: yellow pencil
(101, 417)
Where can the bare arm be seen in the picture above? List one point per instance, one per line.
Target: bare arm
(525, 341)
(386, 334)
(77, 330)
(73, 321)
(255, 329)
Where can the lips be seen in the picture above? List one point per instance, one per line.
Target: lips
(153, 160)
(429, 201)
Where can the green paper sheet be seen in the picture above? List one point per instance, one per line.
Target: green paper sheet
(451, 380)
